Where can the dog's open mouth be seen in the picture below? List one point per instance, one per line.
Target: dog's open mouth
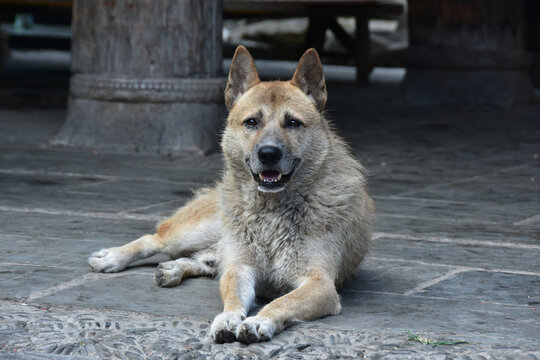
(272, 179)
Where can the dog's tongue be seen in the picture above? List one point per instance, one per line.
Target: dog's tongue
(270, 174)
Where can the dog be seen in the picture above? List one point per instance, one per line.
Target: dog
(290, 220)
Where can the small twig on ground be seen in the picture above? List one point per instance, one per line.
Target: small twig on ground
(423, 340)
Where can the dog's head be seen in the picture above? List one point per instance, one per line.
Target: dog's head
(275, 131)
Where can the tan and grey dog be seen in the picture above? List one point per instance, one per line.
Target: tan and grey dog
(290, 220)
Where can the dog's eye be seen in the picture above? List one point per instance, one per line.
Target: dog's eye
(251, 122)
(292, 122)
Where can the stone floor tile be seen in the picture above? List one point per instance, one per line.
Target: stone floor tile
(489, 287)
(392, 276)
(20, 281)
(470, 320)
(135, 290)
(102, 227)
(448, 253)
(456, 227)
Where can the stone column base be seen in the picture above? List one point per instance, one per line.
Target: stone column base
(165, 116)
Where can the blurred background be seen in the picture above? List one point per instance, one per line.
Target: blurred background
(37, 36)
(450, 52)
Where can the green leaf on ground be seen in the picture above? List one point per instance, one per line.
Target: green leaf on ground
(425, 341)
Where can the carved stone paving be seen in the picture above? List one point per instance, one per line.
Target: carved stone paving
(29, 331)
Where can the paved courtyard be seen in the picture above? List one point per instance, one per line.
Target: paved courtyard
(456, 256)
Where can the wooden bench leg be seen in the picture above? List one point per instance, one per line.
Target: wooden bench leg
(316, 32)
(362, 53)
(342, 36)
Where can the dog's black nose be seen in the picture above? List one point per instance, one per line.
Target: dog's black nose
(269, 155)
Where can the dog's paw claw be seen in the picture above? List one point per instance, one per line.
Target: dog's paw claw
(247, 334)
(224, 336)
(255, 329)
(223, 329)
(168, 274)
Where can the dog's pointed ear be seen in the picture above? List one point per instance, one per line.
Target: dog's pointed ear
(242, 76)
(309, 77)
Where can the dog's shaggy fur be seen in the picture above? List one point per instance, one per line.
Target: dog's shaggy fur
(290, 220)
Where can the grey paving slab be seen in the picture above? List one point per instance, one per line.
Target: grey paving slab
(492, 257)
(136, 290)
(511, 194)
(392, 276)
(471, 320)
(37, 126)
(73, 230)
(444, 209)
(15, 184)
(145, 193)
(489, 287)
(45, 251)
(450, 227)
(434, 147)
(35, 191)
(20, 281)
(439, 204)
(397, 174)
(42, 251)
(75, 162)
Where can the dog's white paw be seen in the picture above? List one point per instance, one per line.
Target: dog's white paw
(224, 326)
(109, 260)
(169, 274)
(255, 329)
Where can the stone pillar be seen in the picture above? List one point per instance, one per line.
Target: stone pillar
(146, 76)
(467, 52)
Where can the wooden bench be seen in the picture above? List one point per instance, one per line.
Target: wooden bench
(322, 15)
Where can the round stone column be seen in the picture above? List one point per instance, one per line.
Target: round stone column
(467, 52)
(146, 76)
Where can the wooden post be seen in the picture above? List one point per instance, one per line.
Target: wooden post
(146, 76)
(362, 50)
(4, 51)
(316, 32)
(467, 52)
(532, 11)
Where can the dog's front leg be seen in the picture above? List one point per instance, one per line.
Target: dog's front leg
(118, 258)
(237, 289)
(315, 297)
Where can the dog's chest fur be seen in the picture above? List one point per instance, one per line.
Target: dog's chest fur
(322, 221)
(272, 231)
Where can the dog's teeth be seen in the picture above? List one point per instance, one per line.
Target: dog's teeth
(271, 180)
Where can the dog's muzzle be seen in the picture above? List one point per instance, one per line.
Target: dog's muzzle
(271, 167)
